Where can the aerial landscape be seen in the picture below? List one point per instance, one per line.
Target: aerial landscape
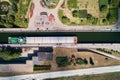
(59, 39)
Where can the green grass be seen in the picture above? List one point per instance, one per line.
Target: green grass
(107, 76)
(63, 18)
(80, 13)
(114, 3)
(20, 15)
(10, 53)
(114, 15)
(60, 14)
(62, 61)
(103, 2)
(72, 4)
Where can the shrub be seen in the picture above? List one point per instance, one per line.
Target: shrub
(80, 61)
(65, 19)
(41, 67)
(85, 61)
(62, 61)
(91, 61)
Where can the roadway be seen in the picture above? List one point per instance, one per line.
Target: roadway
(79, 72)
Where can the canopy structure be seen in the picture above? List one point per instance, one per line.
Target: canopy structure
(32, 40)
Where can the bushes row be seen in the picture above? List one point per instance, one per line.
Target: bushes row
(41, 67)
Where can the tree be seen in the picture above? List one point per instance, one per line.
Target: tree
(103, 8)
(14, 1)
(76, 13)
(119, 4)
(14, 7)
(91, 61)
(62, 61)
(89, 16)
(85, 61)
(79, 61)
(11, 18)
(65, 19)
(8, 25)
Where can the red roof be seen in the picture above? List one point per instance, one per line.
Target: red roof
(51, 18)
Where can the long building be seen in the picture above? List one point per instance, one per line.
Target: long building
(44, 40)
(53, 40)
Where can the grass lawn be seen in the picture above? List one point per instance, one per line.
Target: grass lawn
(114, 3)
(114, 15)
(60, 14)
(72, 4)
(107, 76)
(103, 2)
(20, 15)
(83, 13)
(63, 18)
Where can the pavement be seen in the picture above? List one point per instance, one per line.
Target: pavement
(114, 46)
(78, 72)
(105, 54)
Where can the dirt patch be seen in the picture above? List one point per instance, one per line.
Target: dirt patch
(99, 60)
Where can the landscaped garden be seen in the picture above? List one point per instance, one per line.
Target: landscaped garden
(13, 12)
(109, 51)
(89, 12)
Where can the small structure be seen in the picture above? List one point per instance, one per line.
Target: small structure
(51, 40)
(16, 40)
(51, 18)
(43, 13)
(50, 2)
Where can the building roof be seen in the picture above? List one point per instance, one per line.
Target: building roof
(31, 40)
(51, 18)
(44, 56)
(17, 40)
(43, 13)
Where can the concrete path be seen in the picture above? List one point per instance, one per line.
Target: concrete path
(81, 45)
(105, 54)
(80, 72)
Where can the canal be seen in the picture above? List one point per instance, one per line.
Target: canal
(83, 37)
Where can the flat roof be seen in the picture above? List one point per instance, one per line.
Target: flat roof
(31, 40)
(44, 56)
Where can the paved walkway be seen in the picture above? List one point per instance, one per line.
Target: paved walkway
(80, 72)
(105, 54)
(83, 45)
